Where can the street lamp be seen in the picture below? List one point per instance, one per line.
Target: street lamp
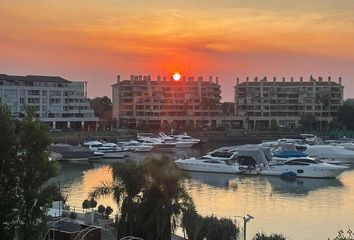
(245, 218)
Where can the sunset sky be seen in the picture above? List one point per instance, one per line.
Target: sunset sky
(96, 40)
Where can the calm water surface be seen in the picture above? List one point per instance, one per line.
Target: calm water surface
(304, 209)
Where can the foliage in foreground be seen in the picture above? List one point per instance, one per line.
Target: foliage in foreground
(150, 197)
(209, 227)
(273, 236)
(25, 170)
(349, 235)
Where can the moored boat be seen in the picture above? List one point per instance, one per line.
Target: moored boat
(302, 167)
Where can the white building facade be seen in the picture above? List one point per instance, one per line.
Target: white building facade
(163, 101)
(59, 102)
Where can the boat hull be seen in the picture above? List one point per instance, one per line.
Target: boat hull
(115, 155)
(184, 144)
(306, 172)
(185, 165)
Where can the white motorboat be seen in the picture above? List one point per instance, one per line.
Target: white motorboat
(208, 164)
(289, 151)
(302, 167)
(109, 150)
(251, 158)
(74, 153)
(136, 146)
(157, 143)
(185, 143)
(186, 138)
(349, 145)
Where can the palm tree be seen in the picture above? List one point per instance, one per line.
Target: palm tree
(150, 197)
(127, 184)
(164, 198)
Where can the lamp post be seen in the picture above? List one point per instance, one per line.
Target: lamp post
(246, 219)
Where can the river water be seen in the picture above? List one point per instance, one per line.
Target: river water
(304, 209)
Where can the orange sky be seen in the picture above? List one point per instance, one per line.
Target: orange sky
(96, 40)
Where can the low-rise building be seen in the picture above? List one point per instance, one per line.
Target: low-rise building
(59, 102)
(163, 101)
(261, 101)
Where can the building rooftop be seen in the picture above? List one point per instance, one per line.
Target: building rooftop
(287, 83)
(33, 78)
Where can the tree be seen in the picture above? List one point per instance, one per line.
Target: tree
(10, 190)
(164, 197)
(93, 203)
(345, 114)
(228, 108)
(24, 192)
(101, 209)
(127, 184)
(209, 228)
(214, 229)
(262, 236)
(102, 107)
(150, 196)
(108, 211)
(35, 171)
(192, 222)
(349, 235)
(86, 204)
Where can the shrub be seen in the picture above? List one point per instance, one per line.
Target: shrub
(108, 211)
(343, 236)
(73, 215)
(273, 236)
(101, 209)
(86, 204)
(93, 203)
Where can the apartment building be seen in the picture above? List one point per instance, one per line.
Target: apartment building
(59, 102)
(286, 101)
(163, 101)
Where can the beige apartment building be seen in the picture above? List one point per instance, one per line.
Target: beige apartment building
(260, 101)
(141, 100)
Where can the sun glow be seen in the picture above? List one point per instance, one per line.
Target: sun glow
(176, 76)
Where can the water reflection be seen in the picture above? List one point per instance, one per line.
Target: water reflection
(299, 209)
(301, 186)
(214, 179)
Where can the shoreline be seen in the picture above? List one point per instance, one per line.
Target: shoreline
(77, 137)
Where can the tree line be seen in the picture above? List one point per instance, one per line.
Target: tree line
(25, 170)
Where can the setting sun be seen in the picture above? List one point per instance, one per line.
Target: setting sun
(176, 76)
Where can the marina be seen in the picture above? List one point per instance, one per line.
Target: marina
(299, 208)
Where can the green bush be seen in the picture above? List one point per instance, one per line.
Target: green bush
(101, 209)
(86, 204)
(108, 211)
(273, 236)
(73, 215)
(345, 236)
(93, 203)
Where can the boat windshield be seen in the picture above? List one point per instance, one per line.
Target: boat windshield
(222, 154)
(305, 160)
(212, 161)
(246, 160)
